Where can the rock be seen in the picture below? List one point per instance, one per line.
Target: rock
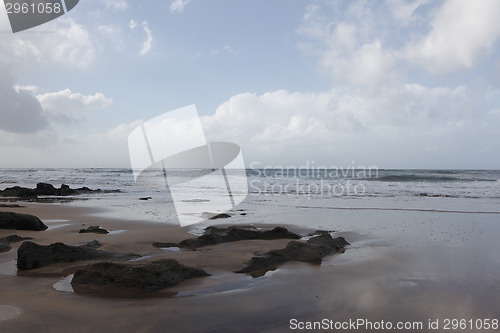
(31, 255)
(145, 198)
(45, 189)
(13, 239)
(144, 276)
(220, 216)
(217, 235)
(20, 192)
(11, 206)
(162, 244)
(4, 247)
(48, 189)
(93, 244)
(94, 228)
(5, 242)
(10, 220)
(311, 251)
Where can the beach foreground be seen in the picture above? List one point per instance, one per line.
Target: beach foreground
(390, 273)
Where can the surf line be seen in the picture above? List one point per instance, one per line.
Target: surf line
(403, 209)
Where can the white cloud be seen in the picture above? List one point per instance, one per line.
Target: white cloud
(147, 44)
(45, 149)
(65, 101)
(462, 32)
(178, 5)
(132, 25)
(379, 43)
(403, 126)
(115, 4)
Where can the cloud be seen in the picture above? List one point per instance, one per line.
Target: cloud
(115, 4)
(65, 101)
(20, 111)
(147, 44)
(397, 36)
(462, 32)
(132, 25)
(45, 149)
(406, 126)
(178, 5)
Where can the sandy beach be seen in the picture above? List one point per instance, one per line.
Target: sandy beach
(391, 272)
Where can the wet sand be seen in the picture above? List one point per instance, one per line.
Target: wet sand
(392, 272)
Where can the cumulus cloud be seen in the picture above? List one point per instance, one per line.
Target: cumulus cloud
(65, 101)
(399, 127)
(20, 111)
(395, 36)
(462, 31)
(178, 5)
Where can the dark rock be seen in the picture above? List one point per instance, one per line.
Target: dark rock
(4, 247)
(145, 198)
(13, 239)
(45, 189)
(311, 251)
(11, 206)
(144, 276)
(94, 228)
(161, 244)
(48, 189)
(216, 235)
(93, 244)
(20, 192)
(5, 242)
(10, 220)
(31, 255)
(220, 216)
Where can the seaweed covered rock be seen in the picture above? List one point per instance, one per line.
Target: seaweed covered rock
(31, 255)
(217, 235)
(311, 251)
(5, 242)
(95, 229)
(144, 276)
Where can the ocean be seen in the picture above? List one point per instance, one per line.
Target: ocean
(277, 189)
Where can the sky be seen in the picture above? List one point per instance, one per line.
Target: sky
(392, 84)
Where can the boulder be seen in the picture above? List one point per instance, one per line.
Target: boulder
(220, 216)
(31, 255)
(311, 251)
(217, 235)
(143, 276)
(5, 242)
(94, 228)
(16, 221)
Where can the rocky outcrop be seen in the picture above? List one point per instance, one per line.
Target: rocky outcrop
(217, 235)
(220, 216)
(144, 276)
(95, 229)
(311, 251)
(6, 241)
(31, 255)
(20, 192)
(47, 189)
(16, 221)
